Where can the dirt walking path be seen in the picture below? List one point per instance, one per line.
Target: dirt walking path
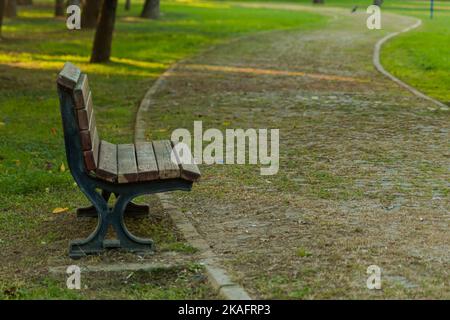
(364, 165)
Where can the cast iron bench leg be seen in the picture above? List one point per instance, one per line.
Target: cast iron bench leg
(133, 209)
(127, 240)
(96, 242)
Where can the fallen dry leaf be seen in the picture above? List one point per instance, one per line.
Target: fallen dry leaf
(60, 210)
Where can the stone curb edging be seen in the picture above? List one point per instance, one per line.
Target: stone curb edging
(216, 275)
(144, 106)
(381, 69)
(139, 127)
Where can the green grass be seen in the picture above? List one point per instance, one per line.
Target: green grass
(422, 57)
(32, 184)
(303, 253)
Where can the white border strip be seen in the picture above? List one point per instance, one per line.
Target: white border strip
(380, 68)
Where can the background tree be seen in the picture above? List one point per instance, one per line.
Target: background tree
(150, 9)
(91, 11)
(101, 52)
(318, 1)
(24, 2)
(11, 8)
(59, 8)
(2, 13)
(128, 5)
(378, 2)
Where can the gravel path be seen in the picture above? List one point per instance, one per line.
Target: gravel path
(364, 164)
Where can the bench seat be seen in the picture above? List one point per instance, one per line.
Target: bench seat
(123, 163)
(142, 161)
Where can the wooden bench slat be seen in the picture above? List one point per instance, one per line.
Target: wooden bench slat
(87, 136)
(167, 169)
(127, 167)
(69, 75)
(91, 156)
(81, 92)
(188, 171)
(84, 115)
(107, 162)
(146, 162)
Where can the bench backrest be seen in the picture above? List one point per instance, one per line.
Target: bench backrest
(76, 84)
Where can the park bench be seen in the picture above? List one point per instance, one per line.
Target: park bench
(101, 168)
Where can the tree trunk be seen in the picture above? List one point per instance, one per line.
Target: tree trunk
(2, 13)
(11, 8)
(59, 8)
(128, 5)
(101, 52)
(91, 11)
(151, 9)
(24, 2)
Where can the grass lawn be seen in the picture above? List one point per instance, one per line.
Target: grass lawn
(422, 57)
(33, 173)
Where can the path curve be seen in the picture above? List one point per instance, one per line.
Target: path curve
(348, 139)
